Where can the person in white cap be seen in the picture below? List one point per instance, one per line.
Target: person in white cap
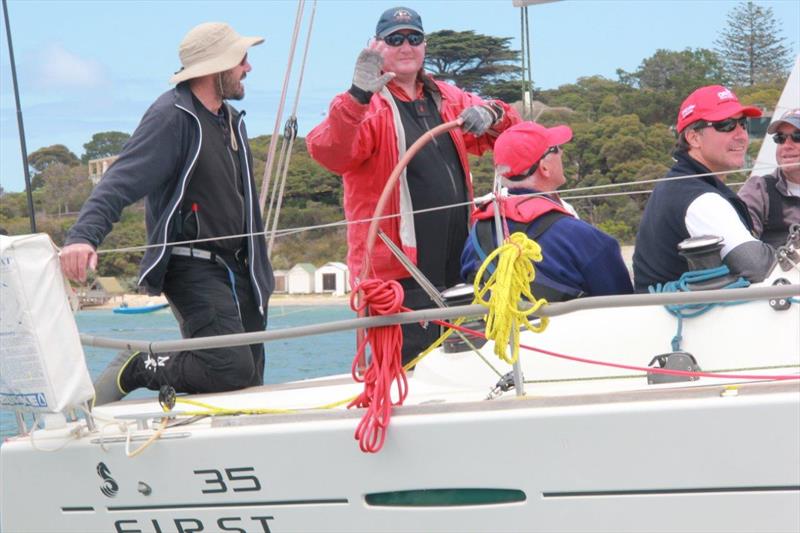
(774, 199)
(190, 159)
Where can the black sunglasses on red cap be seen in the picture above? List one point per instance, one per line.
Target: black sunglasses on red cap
(722, 126)
(532, 169)
(780, 138)
(414, 38)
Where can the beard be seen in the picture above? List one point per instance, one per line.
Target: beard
(229, 87)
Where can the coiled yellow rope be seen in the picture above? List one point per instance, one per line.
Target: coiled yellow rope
(510, 282)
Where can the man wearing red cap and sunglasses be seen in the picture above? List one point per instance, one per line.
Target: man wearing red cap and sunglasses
(578, 259)
(774, 199)
(392, 103)
(712, 141)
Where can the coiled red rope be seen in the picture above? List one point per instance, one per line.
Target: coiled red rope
(372, 297)
(385, 368)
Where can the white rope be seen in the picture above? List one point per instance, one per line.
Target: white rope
(274, 139)
(291, 126)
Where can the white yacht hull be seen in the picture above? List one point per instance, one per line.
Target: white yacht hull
(688, 459)
(588, 448)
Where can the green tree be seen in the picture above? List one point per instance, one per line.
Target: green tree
(65, 188)
(506, 90)
(13, 205)
(104, 144)
(470, 60)
(666, 78)
(683, 71)
(49, 155)
(129, 231)
(590, 97)
(752, 45)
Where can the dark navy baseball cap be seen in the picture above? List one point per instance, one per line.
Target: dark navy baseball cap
(398, 18)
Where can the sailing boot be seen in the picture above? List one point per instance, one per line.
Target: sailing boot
(107, 387)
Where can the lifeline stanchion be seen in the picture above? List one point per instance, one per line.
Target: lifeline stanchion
(519, 379)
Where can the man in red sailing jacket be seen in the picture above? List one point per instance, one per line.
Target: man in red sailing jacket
(578, 259)
(390, 105)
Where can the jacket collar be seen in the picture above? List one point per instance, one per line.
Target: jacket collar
(425, 83)
(183, 98)
(552, 196)
(686, 165)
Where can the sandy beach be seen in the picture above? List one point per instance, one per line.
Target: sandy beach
(138, 300)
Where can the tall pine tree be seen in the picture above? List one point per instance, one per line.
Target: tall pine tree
(751, 47)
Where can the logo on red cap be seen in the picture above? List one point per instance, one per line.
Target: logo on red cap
(688, 110)
(712, 103)
(726, 95)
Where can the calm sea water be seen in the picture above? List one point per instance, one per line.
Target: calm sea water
(287, 360)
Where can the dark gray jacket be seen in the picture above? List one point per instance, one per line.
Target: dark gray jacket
(158, 162)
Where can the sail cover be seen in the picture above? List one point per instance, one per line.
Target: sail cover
(42, 366)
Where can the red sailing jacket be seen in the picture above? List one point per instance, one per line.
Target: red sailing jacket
(364, 142)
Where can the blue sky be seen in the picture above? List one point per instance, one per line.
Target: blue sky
(91, 66)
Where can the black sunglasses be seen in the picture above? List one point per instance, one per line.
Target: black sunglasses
(414, 38)
(723, 126)
(780, 138)
(520, 177)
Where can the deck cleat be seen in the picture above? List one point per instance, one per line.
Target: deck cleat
(683, 361)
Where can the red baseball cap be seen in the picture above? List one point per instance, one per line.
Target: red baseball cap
(524, 144)
(712, 103)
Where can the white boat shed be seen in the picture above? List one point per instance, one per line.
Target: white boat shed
(332, 278)
(281, 281)
(300, 279)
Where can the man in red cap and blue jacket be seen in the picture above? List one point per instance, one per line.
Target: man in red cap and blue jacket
(578, 259)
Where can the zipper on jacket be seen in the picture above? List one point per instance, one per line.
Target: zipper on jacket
(180, 197)
(251, 224)
(446, 164)
(243, 221)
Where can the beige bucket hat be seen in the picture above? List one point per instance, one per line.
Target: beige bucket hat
(209, 48)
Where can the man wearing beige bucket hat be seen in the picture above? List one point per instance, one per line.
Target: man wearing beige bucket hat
(190, 159)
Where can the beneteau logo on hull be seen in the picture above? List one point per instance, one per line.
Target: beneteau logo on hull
(110, 486)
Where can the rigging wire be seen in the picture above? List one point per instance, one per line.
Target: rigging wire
(290, 134)
(273, 143)
(340, 223)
